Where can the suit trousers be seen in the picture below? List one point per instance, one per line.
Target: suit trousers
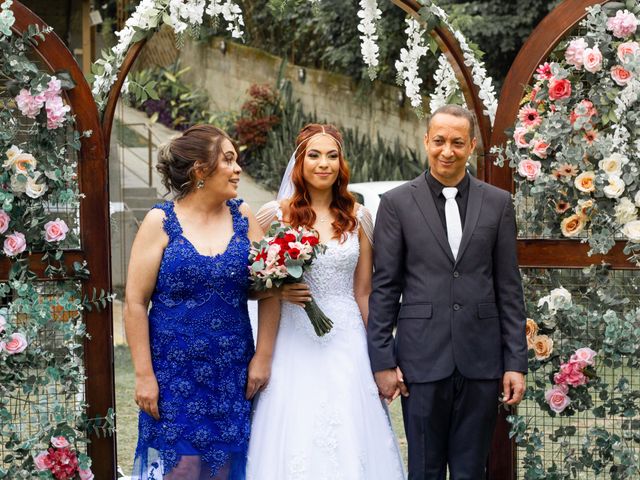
(450, 422)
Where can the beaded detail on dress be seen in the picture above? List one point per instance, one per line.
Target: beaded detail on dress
(201, 344)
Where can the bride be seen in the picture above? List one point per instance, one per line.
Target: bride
(320, 415)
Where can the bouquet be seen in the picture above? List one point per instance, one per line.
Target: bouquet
(282, 256)
(62, 462)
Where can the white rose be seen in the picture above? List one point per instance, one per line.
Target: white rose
(636, 199)
(585, 182)
(33, 188)
(631, 230)
(615, 187)
(11, 154)
(18, 183)
(612, 165)
(558, 299)
(625, 211)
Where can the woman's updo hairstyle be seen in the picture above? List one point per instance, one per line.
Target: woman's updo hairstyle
(197, 149)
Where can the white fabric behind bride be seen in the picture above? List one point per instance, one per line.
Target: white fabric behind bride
(320, 417)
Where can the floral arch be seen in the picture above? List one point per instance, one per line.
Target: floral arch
(95, 112)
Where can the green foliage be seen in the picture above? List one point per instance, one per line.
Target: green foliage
(164, 95)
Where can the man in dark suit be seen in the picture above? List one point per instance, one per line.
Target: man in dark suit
(446, 244)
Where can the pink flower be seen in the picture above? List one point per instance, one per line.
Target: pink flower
(559, 89)
(64, 463)
(529, 117)
(518, 136)
(14, 244)
(620, 75)
(543, 72)
(4, 221)
(54, 89)
(55, 230)
(585, 355)
(539, 148)
(28, 104)
(42, 461)
(56, 111)
(86, 474)
(627, 51)
(623, 24)
(557, 399)
(60, 442)
(571, 374)
(592, 59)
(575, 52)
(529, 169)
(16, 344)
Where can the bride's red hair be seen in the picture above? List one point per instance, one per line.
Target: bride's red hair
(342, 204)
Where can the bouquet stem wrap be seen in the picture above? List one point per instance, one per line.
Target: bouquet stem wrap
(321, 323)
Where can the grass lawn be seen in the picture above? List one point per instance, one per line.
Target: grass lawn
(127, 412)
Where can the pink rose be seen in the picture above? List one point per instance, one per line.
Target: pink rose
(571, 374)
(623, 24)
(575, 52)
(592, 59)
(530, 169)
(540, 148)
(585, 355)
(55, 230)
(14, 244)
(518, 136)
(620, 75)
(4, 221)
(54, 89)
(56, 111)
(42, 461)
(559, 89)
(557, 399)
(16, 344)
(86, 474)
(626, 50)
(28, 104)
(543, 72)
(60, 442)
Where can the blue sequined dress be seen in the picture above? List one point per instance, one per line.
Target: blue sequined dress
(201, 344)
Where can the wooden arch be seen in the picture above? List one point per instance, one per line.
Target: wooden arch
(94, 235)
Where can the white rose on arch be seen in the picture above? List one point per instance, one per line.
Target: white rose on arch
(612, 165)
(625, 211)
(615, 188)
(35, 189)
(558, 299)
(631, 230)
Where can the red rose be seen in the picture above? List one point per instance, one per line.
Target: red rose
(310, 240)
(294, 253)
(261, 256)
(289, 237)
(559, 89)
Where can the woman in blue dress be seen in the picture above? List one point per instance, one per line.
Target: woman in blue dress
(192, 349)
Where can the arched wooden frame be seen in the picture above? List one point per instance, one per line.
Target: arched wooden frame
(94, 236)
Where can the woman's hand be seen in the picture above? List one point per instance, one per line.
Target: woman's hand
(296, 293)
(259, 374)
(147, 394)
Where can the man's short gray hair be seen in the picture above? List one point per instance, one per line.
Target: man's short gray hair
(456, 111)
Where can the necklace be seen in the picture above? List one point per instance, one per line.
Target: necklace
(324, 218)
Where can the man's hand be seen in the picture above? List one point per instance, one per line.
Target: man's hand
(402, 387)
(512, 388)
(387, 381)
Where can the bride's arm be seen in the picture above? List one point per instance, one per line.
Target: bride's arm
(362, 275)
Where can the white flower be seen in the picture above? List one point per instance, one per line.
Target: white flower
(33, 188)
(369, 14)
(625, 211)
(636, 199)
(615, 188)
(18, 183)
(407, 66)
(446, 84)
(612, 165)
(558, 299)
(231, 13)
(631, 230)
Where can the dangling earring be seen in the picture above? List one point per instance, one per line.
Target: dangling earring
(200, 184)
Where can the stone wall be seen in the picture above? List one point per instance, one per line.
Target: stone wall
(227, 75)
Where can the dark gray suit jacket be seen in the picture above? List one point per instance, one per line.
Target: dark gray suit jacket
(467, 313)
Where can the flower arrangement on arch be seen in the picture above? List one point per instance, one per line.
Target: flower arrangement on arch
(576, 142)
(62, 462)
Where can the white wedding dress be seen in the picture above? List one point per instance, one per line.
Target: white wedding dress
(320, 417)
